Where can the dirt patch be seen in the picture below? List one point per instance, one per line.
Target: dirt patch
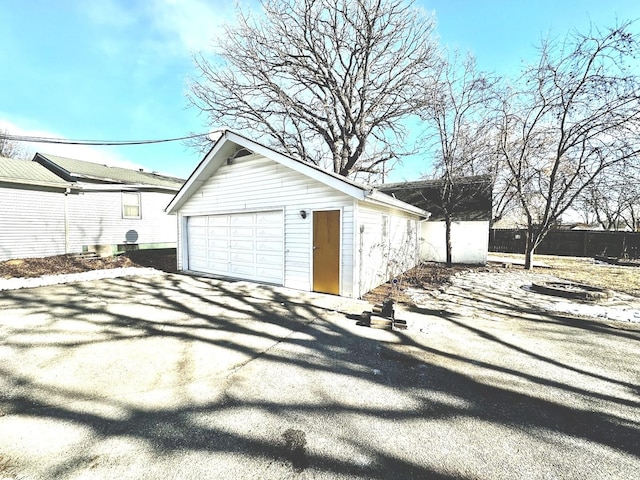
(161, 259)
(427, 276)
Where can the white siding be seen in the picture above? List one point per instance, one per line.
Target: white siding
(469, 242)
(31, 223)
(96, 219)
(384, 252)
(256, 183)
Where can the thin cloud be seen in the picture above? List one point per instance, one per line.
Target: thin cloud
(109, 13)
(193, 22)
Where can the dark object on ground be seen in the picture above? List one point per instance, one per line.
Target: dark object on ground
(617, 261)
(162, 259)
(382, 316)
(571, 290)
(295, 448)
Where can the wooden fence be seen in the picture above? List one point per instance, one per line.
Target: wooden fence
(575, 243)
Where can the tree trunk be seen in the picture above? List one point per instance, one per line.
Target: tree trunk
(528, 250)
(447, 222)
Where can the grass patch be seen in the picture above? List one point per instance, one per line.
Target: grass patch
(586, 271)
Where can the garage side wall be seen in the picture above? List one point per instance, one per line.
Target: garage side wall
(470, 242)
(386, 245)
(256, 183)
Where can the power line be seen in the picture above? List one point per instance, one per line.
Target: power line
(63, 141)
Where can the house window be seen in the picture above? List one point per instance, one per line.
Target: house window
(131, 205)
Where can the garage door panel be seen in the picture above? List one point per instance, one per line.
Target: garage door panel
(273, 246)
(268, 274)
(242, 219)
(268, 260)
(197, 222)
(197, 243)
(218, 232)
(240, 257)
(220, 267)
(267, 232)
(219, 255)
(241, 244)
(198, 231)
(198, 264)
(243, 270)
(217, 244)
(268, 218)
(218, 220)
(244, 245)
(242, 232)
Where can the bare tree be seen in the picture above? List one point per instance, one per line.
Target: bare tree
(569, 119)
(10, 148)
(460, 114)
(322, 78)
(613, 200)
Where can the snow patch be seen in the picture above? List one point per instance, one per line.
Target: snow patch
(46, 280)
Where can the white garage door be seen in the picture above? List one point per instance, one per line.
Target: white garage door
(239, 245)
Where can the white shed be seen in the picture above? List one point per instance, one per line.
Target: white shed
(252, 213)
(471, 200)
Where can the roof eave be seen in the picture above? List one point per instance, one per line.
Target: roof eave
(217, 155)
(35, 183)
(380, 198)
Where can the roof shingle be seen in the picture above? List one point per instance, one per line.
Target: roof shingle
(82, 170)
(27, 172)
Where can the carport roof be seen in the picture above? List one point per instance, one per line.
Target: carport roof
(230, 144)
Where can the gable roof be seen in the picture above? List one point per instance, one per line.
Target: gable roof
(473, 196)
(230, 144)
(25, 172)
(78, 170)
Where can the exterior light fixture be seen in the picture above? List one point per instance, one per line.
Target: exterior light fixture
(303, 214)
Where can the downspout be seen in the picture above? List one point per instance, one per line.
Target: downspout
(66, 221)
(360, 260)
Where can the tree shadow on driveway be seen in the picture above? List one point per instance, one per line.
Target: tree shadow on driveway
(180, 377)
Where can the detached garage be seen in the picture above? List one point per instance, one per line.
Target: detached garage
(249, 212)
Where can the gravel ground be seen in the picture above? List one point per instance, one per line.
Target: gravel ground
(167, 376)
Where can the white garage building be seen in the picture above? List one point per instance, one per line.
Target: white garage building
(251, 213)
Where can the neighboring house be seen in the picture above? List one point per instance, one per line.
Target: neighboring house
(471, 216)
(56, 205)
(252, 213)
(32, 210)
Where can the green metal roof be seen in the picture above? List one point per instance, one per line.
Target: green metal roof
(29, 173)
(89, 171)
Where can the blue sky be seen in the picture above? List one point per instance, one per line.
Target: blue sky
(117, 69)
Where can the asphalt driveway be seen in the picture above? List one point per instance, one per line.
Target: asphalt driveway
(170, 376)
